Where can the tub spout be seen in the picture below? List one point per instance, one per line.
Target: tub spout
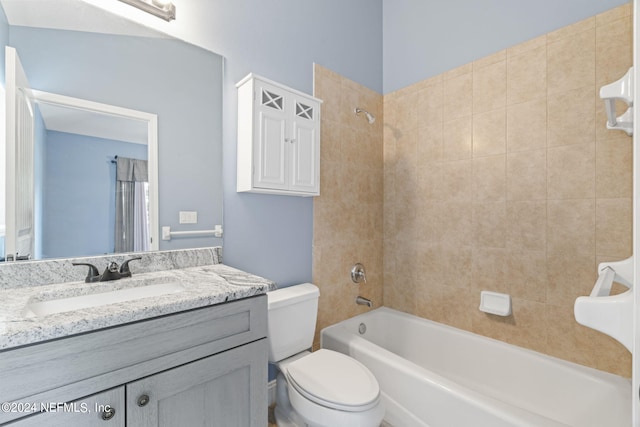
(363, 301)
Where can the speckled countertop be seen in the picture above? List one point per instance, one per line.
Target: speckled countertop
(203, 286)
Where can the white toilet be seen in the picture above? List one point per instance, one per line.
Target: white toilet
(324, 388)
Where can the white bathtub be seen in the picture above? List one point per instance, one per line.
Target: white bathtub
(438, 376)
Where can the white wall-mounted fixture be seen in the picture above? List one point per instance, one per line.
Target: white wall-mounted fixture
(610, 314)
(167, 234)
(161, 8)
(621, 90)
(188, 217)
(495, 303)
(278, 139)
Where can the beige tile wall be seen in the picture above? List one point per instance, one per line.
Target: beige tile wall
(500, 175)
(497, 175)
(348, 213)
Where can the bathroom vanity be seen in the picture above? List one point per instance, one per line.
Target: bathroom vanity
(171, 360)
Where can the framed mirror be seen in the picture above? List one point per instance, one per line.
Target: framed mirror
(127, 66)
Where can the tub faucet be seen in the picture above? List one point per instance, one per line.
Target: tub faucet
(363, 301)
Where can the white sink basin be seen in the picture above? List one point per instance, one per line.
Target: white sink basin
(61, 305)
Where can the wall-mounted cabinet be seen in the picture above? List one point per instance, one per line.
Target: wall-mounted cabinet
(278, 139)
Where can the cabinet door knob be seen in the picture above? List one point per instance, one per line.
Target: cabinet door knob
(143, 400)
(108, 413)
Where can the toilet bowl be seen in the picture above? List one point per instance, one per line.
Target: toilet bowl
(324, 388)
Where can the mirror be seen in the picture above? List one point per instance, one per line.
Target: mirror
(73, 49)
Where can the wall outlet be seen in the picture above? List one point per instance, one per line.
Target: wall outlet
(188, 217)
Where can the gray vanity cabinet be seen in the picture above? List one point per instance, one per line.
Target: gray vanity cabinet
(203, 367)
(216, 391)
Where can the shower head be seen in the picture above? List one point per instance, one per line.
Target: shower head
(370, 117)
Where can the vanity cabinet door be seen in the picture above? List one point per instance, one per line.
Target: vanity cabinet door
(227, 389)
(104, 409)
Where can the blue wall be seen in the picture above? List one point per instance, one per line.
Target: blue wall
(79, 193)
(272, 235)
(426, 38)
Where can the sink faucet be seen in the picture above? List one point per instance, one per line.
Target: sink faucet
(112, 272)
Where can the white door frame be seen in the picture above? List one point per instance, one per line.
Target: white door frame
(152, 144)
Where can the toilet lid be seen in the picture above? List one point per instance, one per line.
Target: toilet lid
(334, 380)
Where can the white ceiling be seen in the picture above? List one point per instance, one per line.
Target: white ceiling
(76, 15)
(72, 120)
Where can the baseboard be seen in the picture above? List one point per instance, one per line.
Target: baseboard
(271, 392)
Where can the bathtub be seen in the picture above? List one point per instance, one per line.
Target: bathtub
(434, 375)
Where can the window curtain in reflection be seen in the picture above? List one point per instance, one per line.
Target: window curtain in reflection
(132, 221)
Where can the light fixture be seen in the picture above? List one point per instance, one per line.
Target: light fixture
(161, 8)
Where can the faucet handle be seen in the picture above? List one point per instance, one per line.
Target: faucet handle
(358, 273)
(124, 268)
(93, 275)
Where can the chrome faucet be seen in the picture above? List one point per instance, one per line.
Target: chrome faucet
(358, 275)
(363, 301)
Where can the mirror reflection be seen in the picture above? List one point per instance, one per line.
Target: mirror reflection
(105, 151)
(127, 66)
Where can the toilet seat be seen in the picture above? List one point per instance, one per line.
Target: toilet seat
(334, 380)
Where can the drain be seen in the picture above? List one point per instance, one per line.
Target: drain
(362, 328)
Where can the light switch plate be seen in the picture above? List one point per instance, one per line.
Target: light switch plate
(188, 217)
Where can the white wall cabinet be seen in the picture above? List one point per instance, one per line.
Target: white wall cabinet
(278, 139)
(198, 368)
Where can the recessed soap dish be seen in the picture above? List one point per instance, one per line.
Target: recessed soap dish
(495, 303)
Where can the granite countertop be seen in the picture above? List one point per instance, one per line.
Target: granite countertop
(203, 286)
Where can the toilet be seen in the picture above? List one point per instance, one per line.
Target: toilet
(320, 389)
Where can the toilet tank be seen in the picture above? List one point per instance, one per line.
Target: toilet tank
(292, 314)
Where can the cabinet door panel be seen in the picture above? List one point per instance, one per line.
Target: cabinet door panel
(272, 152)
(228, 389)
(271, 148)
(304, 155)
(86, 412)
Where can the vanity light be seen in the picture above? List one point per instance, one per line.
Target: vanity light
(161, 8)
